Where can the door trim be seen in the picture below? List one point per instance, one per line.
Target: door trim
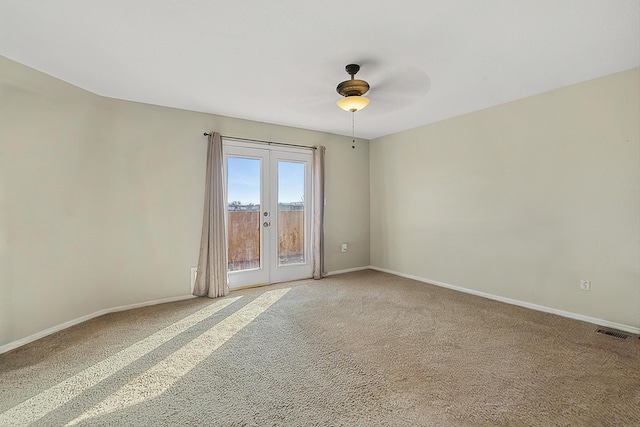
(270, 271)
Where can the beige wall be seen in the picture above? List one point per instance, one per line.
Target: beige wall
(520, 201)
(101, 200)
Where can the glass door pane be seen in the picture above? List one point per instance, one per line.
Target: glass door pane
(291, 213)
(243, 213)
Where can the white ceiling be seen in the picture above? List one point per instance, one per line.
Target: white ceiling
(279, 61)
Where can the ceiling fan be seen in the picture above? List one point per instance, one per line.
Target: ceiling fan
(394, 90)
(352, 91)
(390, 86)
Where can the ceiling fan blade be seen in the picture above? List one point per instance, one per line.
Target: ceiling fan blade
(399, 89)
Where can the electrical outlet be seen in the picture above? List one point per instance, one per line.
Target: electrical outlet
(585, 285)
(343, 248)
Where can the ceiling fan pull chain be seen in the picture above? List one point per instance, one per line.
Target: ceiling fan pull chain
(353, 129)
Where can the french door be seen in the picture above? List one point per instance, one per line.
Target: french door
(268, 214)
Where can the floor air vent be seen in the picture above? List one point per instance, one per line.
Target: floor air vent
(613, 333)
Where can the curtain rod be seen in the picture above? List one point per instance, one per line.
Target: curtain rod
(262, 142)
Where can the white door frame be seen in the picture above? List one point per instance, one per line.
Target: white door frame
(270, 270)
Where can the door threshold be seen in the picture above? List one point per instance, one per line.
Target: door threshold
(257, 285)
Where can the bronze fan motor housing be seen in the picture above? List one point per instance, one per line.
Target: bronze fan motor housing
(352, 87)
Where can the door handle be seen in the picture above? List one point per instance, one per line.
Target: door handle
(266, 224)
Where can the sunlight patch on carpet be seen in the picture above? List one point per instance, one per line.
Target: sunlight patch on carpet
(38, 406)
(160, 377)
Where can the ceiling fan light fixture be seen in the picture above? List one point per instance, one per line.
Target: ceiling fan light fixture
(353, 103)
(352, 91)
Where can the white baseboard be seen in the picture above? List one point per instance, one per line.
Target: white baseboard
(570, 315)
(18, 343)
(348, 270)
(601, 322)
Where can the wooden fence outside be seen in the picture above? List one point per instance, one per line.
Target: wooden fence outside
(244, 238)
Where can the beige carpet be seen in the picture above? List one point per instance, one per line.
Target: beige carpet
(359, 349)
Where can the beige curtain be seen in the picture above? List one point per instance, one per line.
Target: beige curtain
(318, 212)
(211, 279)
